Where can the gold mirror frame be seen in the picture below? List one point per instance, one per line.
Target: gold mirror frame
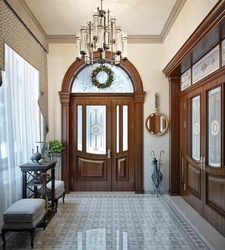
(156, 123)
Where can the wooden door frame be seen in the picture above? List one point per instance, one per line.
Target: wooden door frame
(138, 95)
(205, 37)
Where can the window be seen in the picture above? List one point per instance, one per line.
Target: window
(19, 124)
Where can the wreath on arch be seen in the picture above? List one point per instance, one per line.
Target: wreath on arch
(109, 80)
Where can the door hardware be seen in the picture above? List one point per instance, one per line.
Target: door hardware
(202, 163)
(109, 153)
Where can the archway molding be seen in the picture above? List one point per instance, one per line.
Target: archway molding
(138, 97)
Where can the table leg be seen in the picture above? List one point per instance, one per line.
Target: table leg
(24, 185)
(53, 189)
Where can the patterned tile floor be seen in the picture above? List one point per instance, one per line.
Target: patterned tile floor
(115, 221)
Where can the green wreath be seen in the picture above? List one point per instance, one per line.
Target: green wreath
(108, 82)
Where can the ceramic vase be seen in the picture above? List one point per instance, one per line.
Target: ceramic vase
(37, 156)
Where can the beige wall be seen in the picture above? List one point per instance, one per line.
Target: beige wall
(149, 65)
(192, 14)
(60, 57)
(149, 59)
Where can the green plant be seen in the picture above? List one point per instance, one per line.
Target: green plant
(55, 146)
(109, 80)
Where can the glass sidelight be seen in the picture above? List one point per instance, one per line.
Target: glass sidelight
(121, 128)
(125, 128)
(196, 128)
(79, 127)
(214, 127)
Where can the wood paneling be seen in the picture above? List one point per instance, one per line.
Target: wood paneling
(91, 169)
(138, 148)
(205, 184)
(122, 170)
(174, 129)
(194, 180)
(216, 193)
(214, 18)
(65, 99)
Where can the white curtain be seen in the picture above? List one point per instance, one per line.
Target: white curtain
(19, 124)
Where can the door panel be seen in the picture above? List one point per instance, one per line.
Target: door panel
(214, 170)
(91, 169)
(194, 180)
(202, 152)
(192, 149)
(122, 158)
(101, 130)
(216, 190)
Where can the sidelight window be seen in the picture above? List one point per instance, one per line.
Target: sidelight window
(214, 127)
(196, 128)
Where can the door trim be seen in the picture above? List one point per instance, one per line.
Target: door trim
(138, 97)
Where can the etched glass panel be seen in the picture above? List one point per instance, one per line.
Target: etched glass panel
(205, 66)
(125, 127)
(96, 129)
(79, 127)
(186, 79)
(223, 52)
(117, 128)
(214, 127)
(196, 128)
(121, 82)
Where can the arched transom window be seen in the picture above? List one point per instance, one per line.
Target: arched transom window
(121, 82)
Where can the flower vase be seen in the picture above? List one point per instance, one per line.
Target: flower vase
(37, 156)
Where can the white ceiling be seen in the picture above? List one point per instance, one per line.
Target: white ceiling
(136, 17)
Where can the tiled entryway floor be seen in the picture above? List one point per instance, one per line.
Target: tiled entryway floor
(123, 221)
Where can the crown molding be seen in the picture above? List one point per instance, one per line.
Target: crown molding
(131, 39)
(35, 27)
(61, 39)
(144, 39)
(172, 18)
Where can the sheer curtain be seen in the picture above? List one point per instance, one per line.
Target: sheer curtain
(19, 124)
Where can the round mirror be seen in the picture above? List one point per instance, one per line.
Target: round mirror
(156, 123)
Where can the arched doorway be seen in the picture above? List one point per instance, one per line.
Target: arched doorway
(111, 170)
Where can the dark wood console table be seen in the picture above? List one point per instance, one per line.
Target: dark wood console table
(35, 179)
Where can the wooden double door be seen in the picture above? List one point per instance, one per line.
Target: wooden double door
(202, 151)
(101, 157)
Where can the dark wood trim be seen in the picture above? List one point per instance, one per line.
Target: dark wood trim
(138, 95)
(207, 198)
(210, 22)
(65, 101)
(213, 76)
(76, 67)
(174, 128)
(139, 101)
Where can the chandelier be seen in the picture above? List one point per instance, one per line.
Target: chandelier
(101, 35)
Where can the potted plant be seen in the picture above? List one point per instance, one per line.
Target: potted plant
(55, 148)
